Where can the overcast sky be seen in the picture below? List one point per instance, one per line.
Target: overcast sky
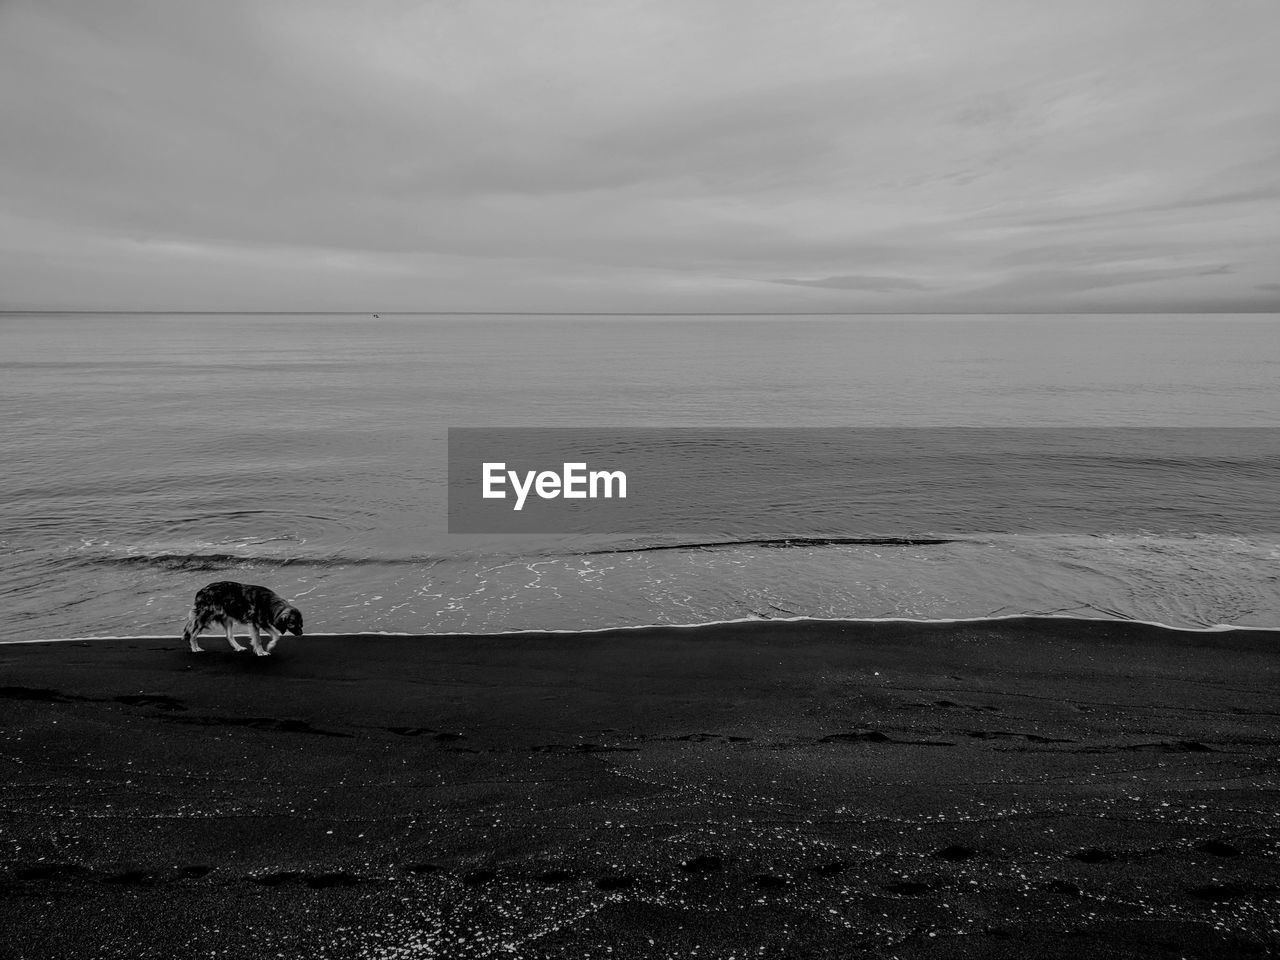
(619, 155)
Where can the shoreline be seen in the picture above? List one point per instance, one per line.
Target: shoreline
(993, 788)
(1013, 618)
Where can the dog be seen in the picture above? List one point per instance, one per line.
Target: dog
(227, 603)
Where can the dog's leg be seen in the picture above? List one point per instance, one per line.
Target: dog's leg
(191, 632)
(256, 639)
(275, 638)
(231, 635)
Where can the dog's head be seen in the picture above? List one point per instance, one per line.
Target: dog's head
(290, 621)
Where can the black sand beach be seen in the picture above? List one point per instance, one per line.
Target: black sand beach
(997, 789)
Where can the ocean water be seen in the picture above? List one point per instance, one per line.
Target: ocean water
(147, 455)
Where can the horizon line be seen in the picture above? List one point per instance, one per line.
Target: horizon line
(645, 313)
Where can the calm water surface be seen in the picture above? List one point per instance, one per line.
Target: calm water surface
(147, 455)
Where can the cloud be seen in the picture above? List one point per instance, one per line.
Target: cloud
(875, 284)
(637, 155)
(1071, 281)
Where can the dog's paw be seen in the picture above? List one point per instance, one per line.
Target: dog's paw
(262, 653)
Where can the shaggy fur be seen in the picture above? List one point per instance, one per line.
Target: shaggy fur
(227, 603)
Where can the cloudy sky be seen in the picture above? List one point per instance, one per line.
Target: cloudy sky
(640, 155)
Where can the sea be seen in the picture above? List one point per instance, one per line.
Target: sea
(145, 455)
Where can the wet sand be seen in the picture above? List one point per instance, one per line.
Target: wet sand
(999, 789)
